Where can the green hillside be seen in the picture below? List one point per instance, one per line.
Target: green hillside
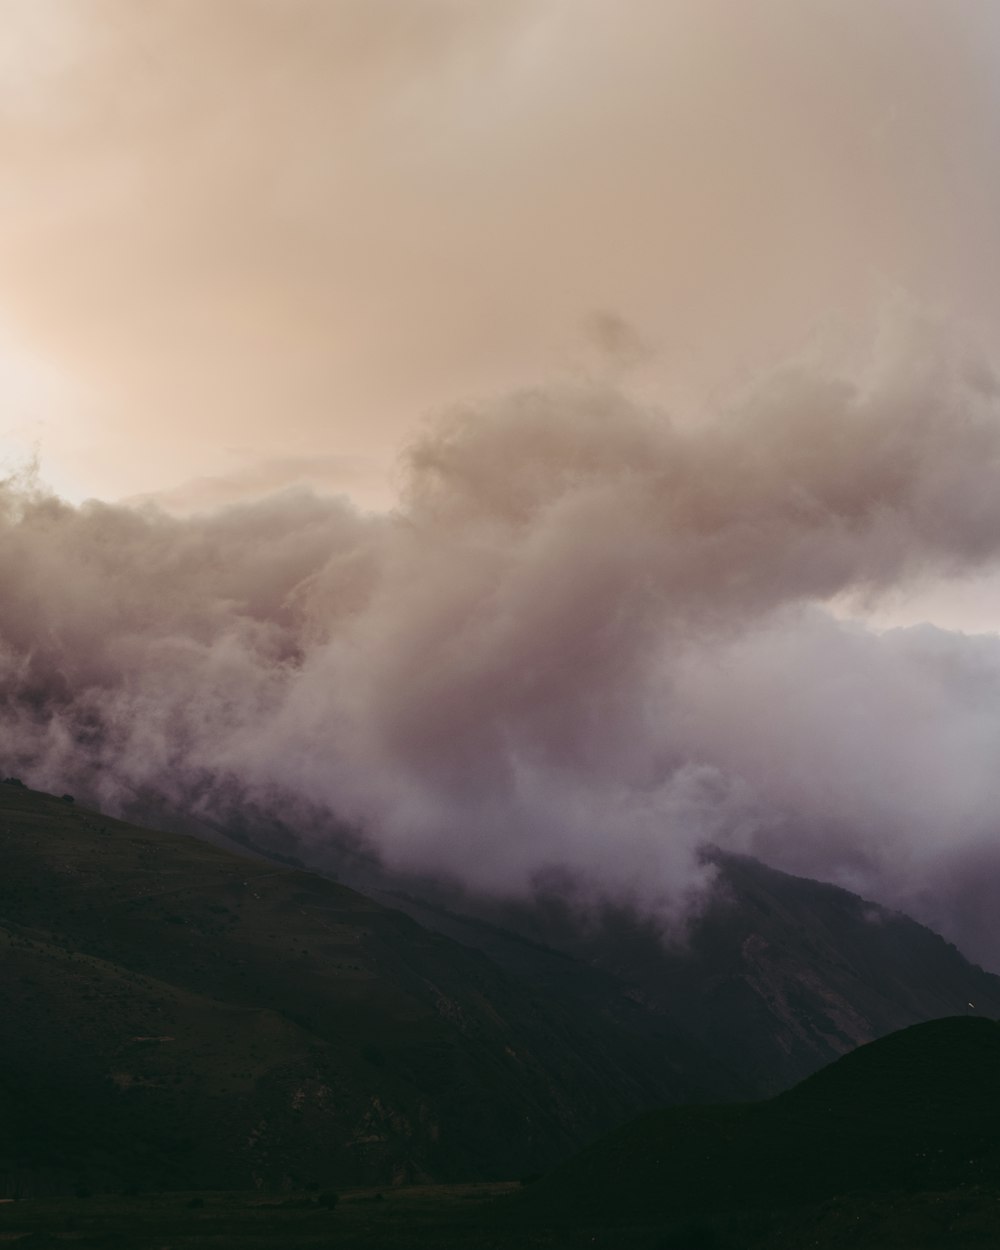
(896, 1147)
(916, 1112)
(177, 1015)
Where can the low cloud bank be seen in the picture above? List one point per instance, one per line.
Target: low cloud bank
(587, 641)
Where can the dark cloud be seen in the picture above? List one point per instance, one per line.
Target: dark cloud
(587, 640)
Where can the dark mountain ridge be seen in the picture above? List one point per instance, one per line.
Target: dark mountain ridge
(916, 1112)
(776, 976)
(179, 1015)
(176, 1014)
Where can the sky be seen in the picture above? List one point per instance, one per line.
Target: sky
(252, 243)
(546, 434)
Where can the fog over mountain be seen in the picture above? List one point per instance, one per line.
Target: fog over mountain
(588, 640)
(684, 315)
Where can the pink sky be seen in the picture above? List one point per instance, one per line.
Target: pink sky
(249, 243)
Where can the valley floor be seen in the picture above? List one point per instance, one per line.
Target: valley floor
(483, 1217)
(439, 1217)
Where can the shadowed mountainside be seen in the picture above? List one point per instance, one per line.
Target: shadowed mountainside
(178, 1015)
(895, 1147)
(774, 977)
(779, 975)
(916, 1112)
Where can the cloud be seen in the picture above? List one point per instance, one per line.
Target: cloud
(326, 474)
(291, 227)
(587, 640)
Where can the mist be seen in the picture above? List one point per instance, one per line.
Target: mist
(589, 640)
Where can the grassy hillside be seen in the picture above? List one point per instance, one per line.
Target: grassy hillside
(182, 1019)
(916, 1112)
(178, 1015)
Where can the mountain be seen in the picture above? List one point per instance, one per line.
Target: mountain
(178, 1015)
(776, 976)
(915, 1113)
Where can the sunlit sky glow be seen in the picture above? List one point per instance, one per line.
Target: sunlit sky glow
(238, 236)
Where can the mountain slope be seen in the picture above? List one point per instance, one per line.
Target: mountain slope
(778, 975)
(798, 972)
(917, 1111)
(178, 1015)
